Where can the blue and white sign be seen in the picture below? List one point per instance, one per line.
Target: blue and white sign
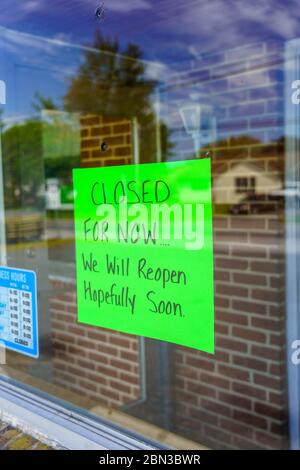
(18, 311)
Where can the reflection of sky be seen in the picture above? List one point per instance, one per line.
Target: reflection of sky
(167, 31)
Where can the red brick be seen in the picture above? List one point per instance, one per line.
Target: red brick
(88, 143)
(277, 282)
(231, 290)
(218, 434)
(221, 329)
(221, 302)
(84, 133)
(250, 419)
(232, 264)
(277, 340)
(267, 324)
(264, 267)
(250, 363)
(121, 128)
(84, 155)
(271, 441)
(122, 151)
(107, 350)
(76, 351)
(97, 335)
(94, 377)
(230, 236)
(244, 444)
(216, 407)
(234, 400)
(221, 276)
(250, 279)
(114, 162)
(231, 344)
(266, 352)
(100, 154)
(117, 140)
(119, 341)
(220, 222)
(278, 399)
(265, 238)
(200, 363)
(109, 392)
(131, 379)
(233, 372)
(98, 358)
(187, 397)
(234, 318)
(249, 390)
(248, 223)
(119, 364)
(130, 356)
(106, 370)
(249, 306)
(268, 382)
(200, 389)
(215, 380)
(270, 411)
(249, 251)
(86, 364)
(236, 428)
(86, 385)
(249, 334)
(116, 385)
(265, 295)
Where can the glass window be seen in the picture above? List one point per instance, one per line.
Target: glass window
(151, 82)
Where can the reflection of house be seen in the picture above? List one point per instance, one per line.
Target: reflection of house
(233, 184)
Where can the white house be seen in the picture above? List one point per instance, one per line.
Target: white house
(231, 186)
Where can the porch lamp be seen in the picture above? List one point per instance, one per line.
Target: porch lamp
(199, 123)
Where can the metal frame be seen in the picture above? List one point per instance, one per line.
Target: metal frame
(63, 425)
(292, 205)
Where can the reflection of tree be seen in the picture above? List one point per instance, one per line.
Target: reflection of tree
(111, 83)
(43, 103)
(22, 165)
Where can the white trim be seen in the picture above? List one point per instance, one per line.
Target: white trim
(64, 427)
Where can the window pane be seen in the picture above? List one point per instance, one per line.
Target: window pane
(149, 83)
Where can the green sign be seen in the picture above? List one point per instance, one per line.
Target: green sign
(144, 250)
(66, 194)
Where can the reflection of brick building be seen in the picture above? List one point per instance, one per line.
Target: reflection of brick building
(236, 398)
(98, 363)
(114, 132)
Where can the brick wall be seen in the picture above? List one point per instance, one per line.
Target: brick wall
(115, 132)
(97, 363)
(237, 398)
(101, 364)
